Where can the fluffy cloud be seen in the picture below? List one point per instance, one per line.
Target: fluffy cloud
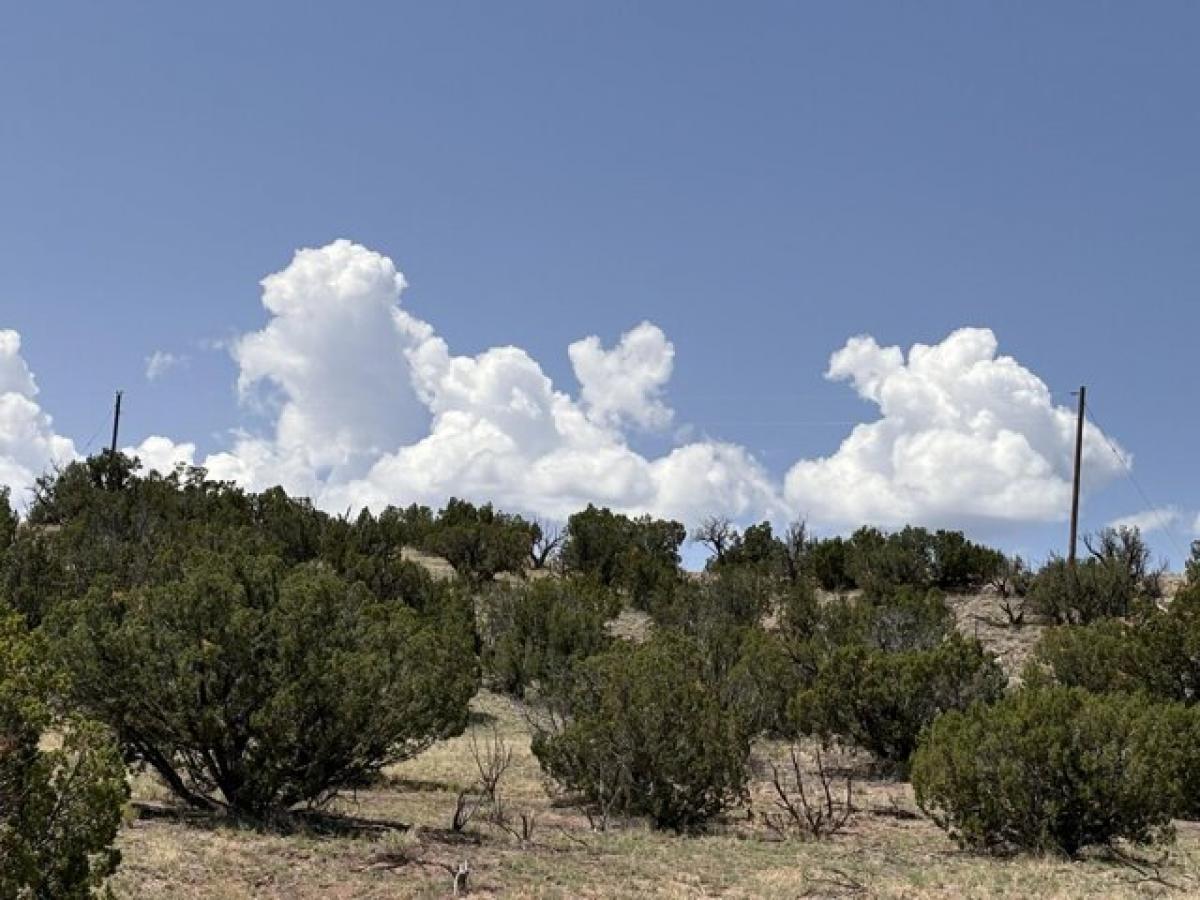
(625, 384)
(367, 405)
(28, 443)
(1149, 520)
(963, 435)
(161, 454)
(331, 362)
(371, 407)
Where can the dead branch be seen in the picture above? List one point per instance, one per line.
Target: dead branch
(810, 809)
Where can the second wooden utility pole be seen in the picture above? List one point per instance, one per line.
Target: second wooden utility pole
(1078, 466)
(116, 422)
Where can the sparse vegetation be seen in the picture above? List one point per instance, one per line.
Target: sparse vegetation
(814, 805)
(256, 658)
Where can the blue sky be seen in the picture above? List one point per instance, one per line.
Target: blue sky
(761, 181)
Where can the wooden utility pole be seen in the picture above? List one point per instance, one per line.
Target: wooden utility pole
(116, 422)
(1078, 466)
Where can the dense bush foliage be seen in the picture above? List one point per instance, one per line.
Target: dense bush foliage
(881, 563)
(1114, 580)
(732, 597)
(1156, 653)
(1056, 769)
(877, 562)
(757, 547)
(882, 700)
(8, 520)
(1092, 590)
(1191, 569)
(871, 671)
(256, 686)
(872, 560)
(538, 632)
(479, 541)
(907, 620)
(637, 556)
(829, 564)
(724, 614)
(255, 652)
(59, 808)
(646, 733)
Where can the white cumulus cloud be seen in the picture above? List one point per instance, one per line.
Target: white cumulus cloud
(161, 454)
(331, 363)
(625, 384)
(370, 407)
(364, 404)
(29, 446)
(963, 435)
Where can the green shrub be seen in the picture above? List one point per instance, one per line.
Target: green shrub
(480, 542)
(881, 700)
(1105, 656)
(730, 596)
(252, 686)
(647, 733)
(762, 676)
(1056, 769)
(915, 558)
(59, 809)
(960, 564)
(907, 620)
(32, 575)
(638, 556)
(1114, 581)
(101, 520)
(538, 632)
(757, 548)
(724, 613)
(1125, 548)
(881, 563)
(8, 520)
(1192, 565)
(1157, 653)
(1093, 589)
(828, 563)
(810, 631)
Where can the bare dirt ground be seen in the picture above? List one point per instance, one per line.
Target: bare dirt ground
(405, 847)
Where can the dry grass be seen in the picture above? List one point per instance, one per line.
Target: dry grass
(888, 850)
